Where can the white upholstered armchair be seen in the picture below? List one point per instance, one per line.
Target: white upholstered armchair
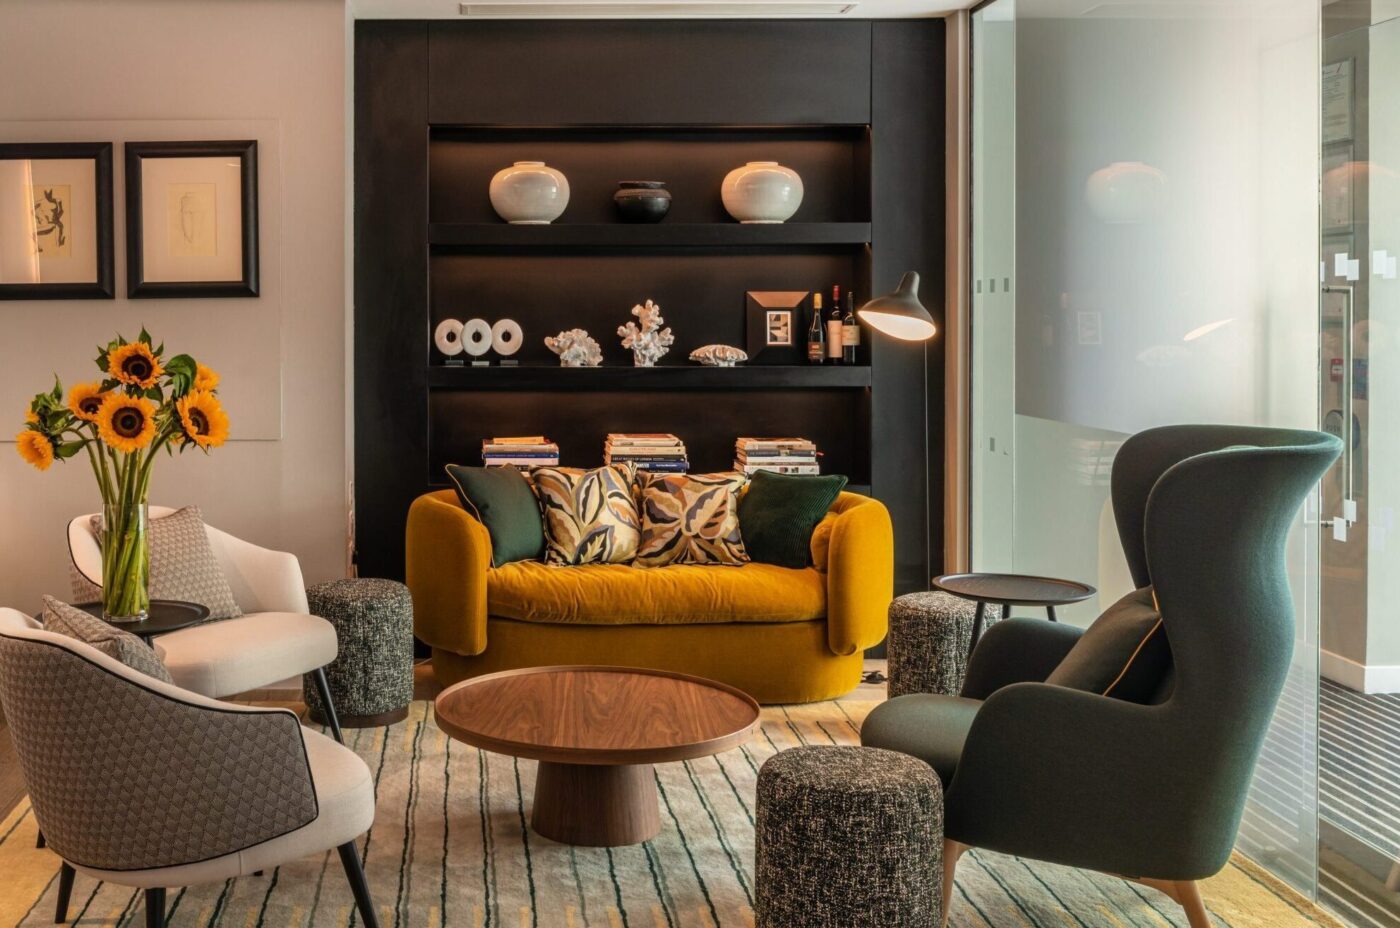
(275, 639)
(250, 788)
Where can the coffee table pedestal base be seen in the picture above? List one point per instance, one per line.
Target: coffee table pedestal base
(596, 805)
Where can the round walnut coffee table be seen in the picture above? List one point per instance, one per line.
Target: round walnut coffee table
(596, 732)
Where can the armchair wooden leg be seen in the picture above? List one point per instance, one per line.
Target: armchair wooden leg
(323, 689)
(65, 892)
(155, 908)
(350, 860)
(1185, 893)
(952, 850)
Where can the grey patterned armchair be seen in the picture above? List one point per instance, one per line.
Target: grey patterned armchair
(121, 770)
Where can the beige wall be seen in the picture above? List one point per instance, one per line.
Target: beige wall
(116, 70)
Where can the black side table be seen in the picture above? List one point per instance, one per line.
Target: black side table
(162, 617)
(1012, 590)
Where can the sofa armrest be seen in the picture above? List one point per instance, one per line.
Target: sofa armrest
(859, 574)
(447, 554)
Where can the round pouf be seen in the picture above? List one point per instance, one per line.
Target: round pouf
(848, 837)
(371, 678)
(928, 642)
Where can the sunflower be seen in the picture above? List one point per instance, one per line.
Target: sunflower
(135, 364)
(203, 418)
(35, 448)
(205, 379)
(84, 400)
(30, 418)
(126, 423)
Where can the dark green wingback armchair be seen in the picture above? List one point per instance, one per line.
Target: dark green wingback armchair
(1154, 791)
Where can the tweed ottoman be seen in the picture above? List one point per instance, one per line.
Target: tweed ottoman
(371, 678)
(928, 642)
(848, 837)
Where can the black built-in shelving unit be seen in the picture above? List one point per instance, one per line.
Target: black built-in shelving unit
(854, 107)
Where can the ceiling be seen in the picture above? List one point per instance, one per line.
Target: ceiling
(654, 9)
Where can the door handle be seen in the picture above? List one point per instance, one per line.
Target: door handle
(1348, 389)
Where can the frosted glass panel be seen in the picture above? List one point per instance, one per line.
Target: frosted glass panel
(1145, 252)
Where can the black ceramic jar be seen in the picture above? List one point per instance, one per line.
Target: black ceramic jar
(642, 200)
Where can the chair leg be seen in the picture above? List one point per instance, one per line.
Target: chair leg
(1185, 893)
(1188, 893)
(323, 689)
(65, 892)
(952, 850)
(155, 908)
(350, 860)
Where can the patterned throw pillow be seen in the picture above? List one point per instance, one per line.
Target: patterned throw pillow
(691, 519)
(590, 517)
(63, 619)
(183, 565)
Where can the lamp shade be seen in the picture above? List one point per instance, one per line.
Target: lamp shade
(900, 314)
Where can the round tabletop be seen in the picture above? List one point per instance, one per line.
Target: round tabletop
(1014, 589)
(597, 715)
(162, 617)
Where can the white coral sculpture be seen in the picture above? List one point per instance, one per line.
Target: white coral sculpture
(576, 348)
(649, 341)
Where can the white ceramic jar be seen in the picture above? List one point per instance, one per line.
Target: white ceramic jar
(762, 192)
(529, 193)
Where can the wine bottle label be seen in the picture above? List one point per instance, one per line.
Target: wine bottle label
(833, 338)
(815, 351)
(850, 335)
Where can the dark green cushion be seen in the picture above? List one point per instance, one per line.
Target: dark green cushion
(1124, 654)
(930, 727)
(501, 498)
(779, 512)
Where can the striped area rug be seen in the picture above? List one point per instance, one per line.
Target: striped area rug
(451, 847)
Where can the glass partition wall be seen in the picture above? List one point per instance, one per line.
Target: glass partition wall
(1145, 252)
(1359, 221)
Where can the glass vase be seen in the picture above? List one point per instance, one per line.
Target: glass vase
(126, 561)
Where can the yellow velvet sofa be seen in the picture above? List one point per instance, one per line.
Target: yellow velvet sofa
(778, 634)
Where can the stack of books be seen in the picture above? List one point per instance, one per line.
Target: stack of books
(664, 453)
(779, 455)
(523, 451)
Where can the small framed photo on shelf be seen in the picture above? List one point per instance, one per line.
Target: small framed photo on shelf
(192, 219)
(774, 325)
(56, 221)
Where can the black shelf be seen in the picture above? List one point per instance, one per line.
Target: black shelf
(648, 235)
(666, 377)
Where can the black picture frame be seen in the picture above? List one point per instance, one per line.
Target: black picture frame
(104, 287)
(137, 287)
(758, 306)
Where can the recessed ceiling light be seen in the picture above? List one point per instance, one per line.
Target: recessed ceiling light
(530, 10)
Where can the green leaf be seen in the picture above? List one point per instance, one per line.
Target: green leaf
(57, 389)
(161, 350)
(69, 448)
(110, 383)
(154, 394)
(145, 337)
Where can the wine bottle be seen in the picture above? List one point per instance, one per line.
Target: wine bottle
(816, 333)
(833, 327)
(850, 331)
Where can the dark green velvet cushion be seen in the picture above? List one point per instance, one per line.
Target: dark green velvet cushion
(501, 498)
(779, 512)
(1124, 654)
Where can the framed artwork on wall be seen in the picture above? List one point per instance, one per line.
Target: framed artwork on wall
(56, 221)
(775, 326)
(192, 219)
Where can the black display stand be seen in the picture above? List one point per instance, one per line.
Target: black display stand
(856, 108)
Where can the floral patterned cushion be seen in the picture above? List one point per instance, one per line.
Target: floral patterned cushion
(590, 517)
(691, 519)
